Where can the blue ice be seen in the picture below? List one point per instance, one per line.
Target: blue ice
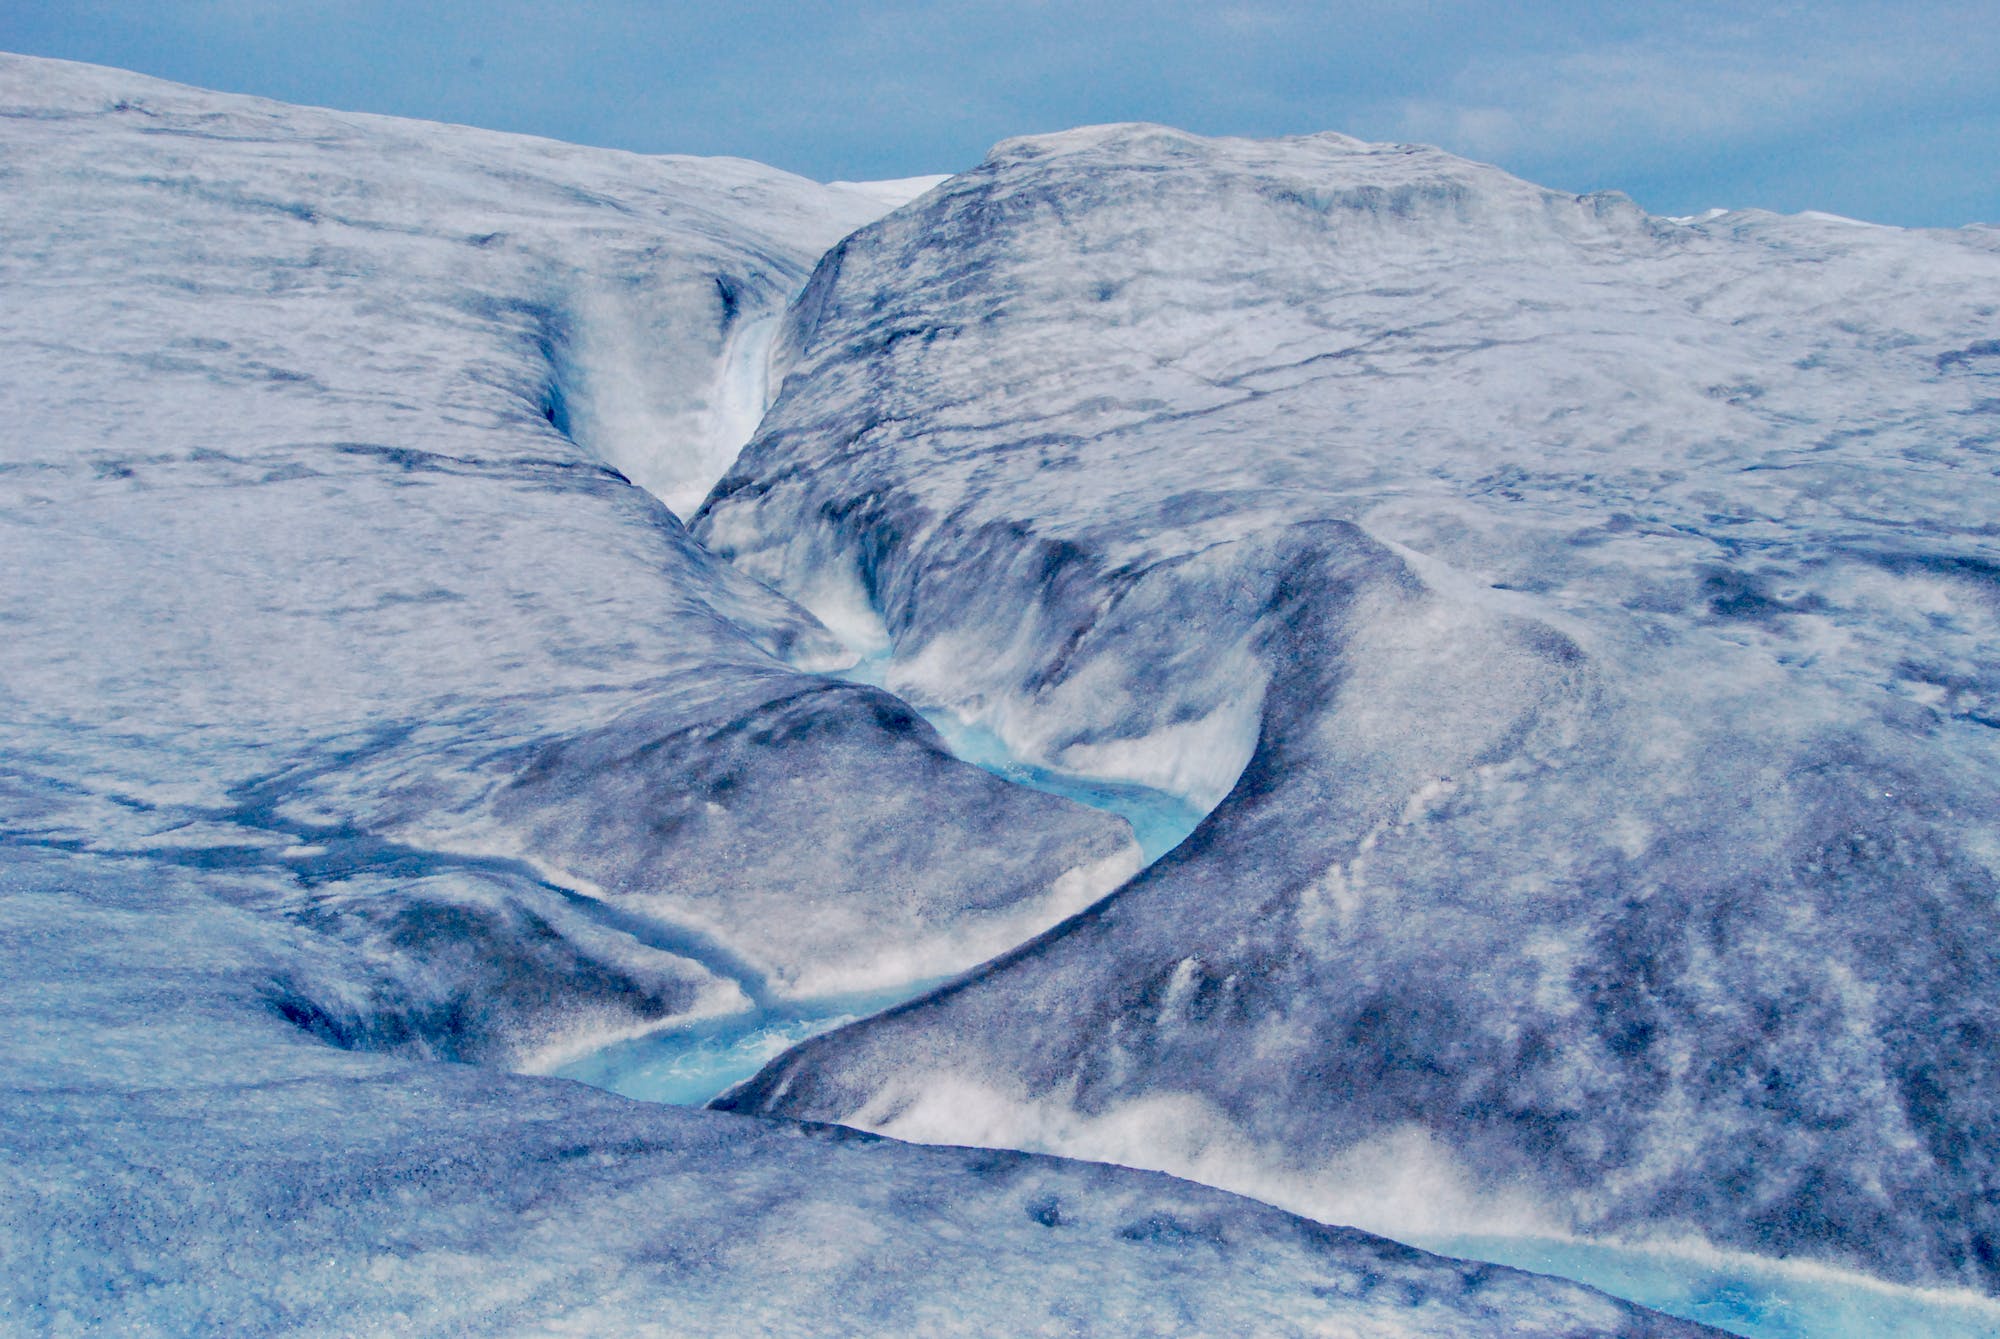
(698, 1062)
(693, 1064)
(1756, 1299)
(1160, 821)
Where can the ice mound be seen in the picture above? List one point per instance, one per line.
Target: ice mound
(1592, 619)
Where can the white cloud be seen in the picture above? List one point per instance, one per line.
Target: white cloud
(1701, 81)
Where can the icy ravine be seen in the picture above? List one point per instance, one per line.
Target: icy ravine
(180, 1160)
(1591, 617)
(693, 1062)
(302, 396)
(335, 661)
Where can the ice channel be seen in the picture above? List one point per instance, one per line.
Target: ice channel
(1743, 1295)
(1160, 821)
(690, 1065)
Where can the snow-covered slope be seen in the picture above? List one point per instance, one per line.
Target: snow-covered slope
(1586, 622)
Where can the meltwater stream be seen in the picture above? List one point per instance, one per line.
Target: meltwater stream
(1740, 1295)
(1160, 821)
(692, 1064)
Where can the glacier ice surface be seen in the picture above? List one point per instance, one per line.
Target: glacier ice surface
(335, 629)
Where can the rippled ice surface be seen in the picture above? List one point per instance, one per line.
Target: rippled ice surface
(1757, 1299)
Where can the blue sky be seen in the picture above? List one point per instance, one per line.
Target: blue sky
(1884, 112)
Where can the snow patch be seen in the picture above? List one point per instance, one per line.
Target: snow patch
(1821, 216)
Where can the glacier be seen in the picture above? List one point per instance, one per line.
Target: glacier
(1583, 625)
(301, 442)
(371, 743)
